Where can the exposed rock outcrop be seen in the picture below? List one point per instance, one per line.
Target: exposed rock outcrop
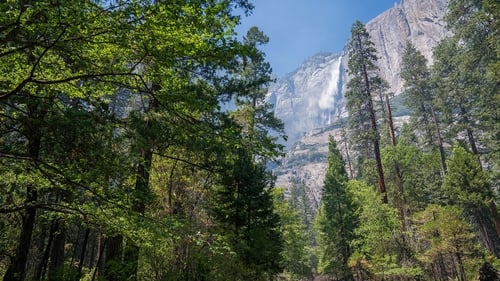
(419, 21)
(310, 100)
(311, 96)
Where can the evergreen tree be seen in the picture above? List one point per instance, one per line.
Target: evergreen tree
(300, 200)
(492, 8)
(447, 245)
(459, 107)
(254, 114)
(419, 96)
(475, 24)
(462, 71)
(469, 82)
(364, 83)
(420, 171)
(469, 186)
(243, 202)
(375, 247)
(297, 254)
(244, 207)
(336, 220)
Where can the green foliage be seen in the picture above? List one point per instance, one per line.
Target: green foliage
(305, 206)
(62, 49)
(454, 100)
(419, 95)
(336, 220)
(466, 183)
(374, 248)
(92, 93)
(363, 86)
(466, 91)
(492, 8)
(244, 207)
(448, 246)
(253, 113)
(297, 253)
(420, 173)
(114, 150)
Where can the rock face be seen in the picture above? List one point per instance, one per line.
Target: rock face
(418, 21)
(310, 100)
(311, 96)
(305, 162)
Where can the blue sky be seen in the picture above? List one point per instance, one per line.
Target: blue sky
(298, 29)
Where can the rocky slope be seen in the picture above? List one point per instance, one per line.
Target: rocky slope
(309, 97)
(418, 21)
(310, 100)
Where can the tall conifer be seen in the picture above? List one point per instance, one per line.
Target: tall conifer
(337, 219)
(419, 96)
(364, 83)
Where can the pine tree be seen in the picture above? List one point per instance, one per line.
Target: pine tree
(463, 76)
(375, 247)
(453, 79)
(253, 73)
(420, 172)
(244, 208)
(297, 254)
(362, 86)
(337, 219)
(244, 200)
(462, 72)
(467, 185)
(447, 247)
(419, 96)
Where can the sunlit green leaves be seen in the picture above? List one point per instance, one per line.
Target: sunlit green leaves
(466, 183)
(447, 239)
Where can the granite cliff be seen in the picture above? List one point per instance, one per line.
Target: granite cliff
(310, 100)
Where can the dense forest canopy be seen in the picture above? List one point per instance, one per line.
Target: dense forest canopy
(118, 160)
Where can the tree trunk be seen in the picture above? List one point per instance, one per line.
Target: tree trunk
(346, 146)
(428, 130)
(94, 245)
(439, 140)
(17, 268)
(131, 257)
(375, 138)
(56, 265)
(487, 231)
(99, 265)
(42, 266)
(113, 261)
(494, 215)
(401, 201)
(461, 268)
(392, 134)
(127, 258)
(142, 190)
(468, 131)
(82, 253)
(442, 267)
